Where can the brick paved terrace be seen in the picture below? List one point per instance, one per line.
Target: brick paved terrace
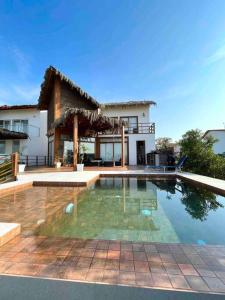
(154, 265)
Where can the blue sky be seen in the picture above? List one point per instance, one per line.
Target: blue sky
(172, 52)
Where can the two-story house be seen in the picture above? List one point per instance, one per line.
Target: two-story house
(23, 130)
(139, 132)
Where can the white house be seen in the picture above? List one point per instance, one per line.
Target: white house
(139, 133)
(219, 135)
(23, 129)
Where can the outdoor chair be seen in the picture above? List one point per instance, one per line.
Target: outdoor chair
(176, 167)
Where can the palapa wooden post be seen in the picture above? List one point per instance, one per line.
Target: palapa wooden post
(97, 147)
(122, 147)
(75, 141)
(56, 145)
(15, 160)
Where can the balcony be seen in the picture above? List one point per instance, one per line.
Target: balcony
(140, 128)
(30, 130)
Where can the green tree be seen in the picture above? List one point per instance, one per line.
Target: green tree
(201, 158)
(163, 143)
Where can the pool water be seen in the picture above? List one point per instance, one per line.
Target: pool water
(166, 211)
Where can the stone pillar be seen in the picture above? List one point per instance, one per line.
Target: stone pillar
(122, 147)
(75, 141)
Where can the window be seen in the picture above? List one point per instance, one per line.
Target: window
(132, 124)
(16, 146)
(5, 124)
(20, 125)
(2, 147)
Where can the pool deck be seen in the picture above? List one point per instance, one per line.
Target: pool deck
(190, 268)
(172, 267)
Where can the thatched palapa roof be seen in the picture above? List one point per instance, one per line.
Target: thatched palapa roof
(50, 74)
(89, 121)
(128, 103)
(8, 134)
(17, 107)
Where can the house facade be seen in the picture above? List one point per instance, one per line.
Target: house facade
(219, 135)
(139, 131)
(23, 130)
(67, 117)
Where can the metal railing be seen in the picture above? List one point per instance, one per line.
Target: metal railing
(30, 130)
(35, 160)
(140, 128)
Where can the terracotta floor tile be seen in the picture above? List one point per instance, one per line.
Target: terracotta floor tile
(172, 269)
(215, 284)
(154, 257)
(157, 267)
(141, 266)
(87, 253)
(23, 269)
(196, 259)
(161, 280)
(94, 275)
(179, 282)
(138, 247)
(188, 269)
(70, 261)
(84, 262)
(114, 245)
(111, 276)
(205, 271)
(126, 255)
(143, 279)
(98, 263)
(126, 246)
(76, 273)
(103, 245)
(167, 258)
(197, 283)
(112, 264)
(4, 265)
(140, 256)
(150, 248)
(100, 254)
(181, 258)
(113, 254)
(126, 277)
(126, 265)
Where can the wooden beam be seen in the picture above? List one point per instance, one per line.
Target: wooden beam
(97, 147)
(75, 141)
(15, 160)
(122, 147)
(56, 145)
(57, 99)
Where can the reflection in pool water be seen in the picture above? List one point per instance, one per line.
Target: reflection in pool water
(142, 210)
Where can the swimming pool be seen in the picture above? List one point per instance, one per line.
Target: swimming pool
(135, 209)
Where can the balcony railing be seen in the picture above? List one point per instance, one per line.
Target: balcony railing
(31, 130)
(140, 128)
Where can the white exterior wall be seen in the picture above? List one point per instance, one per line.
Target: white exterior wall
(143, 114)
(219, 146)
(37, 143)
(141, 111)
(149, 145)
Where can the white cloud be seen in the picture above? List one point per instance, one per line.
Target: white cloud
(218, 55)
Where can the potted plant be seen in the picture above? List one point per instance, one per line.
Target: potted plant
(81, 154)
(57, 162)
(22, 166)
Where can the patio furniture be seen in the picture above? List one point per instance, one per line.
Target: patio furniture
(176, 167)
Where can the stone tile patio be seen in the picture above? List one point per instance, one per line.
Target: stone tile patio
(167, 266)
